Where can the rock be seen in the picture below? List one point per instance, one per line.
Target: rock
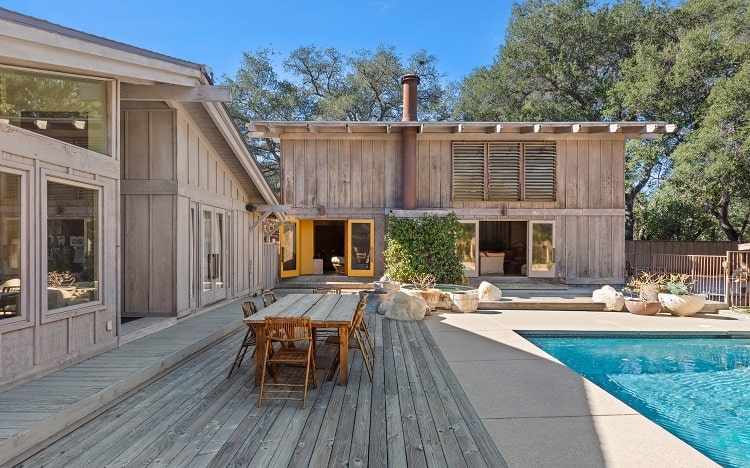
(612, 299)
(489, 292)
(404, 307)
(389, 288)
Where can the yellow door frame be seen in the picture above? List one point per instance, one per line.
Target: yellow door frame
(359, 256)
(289, 243)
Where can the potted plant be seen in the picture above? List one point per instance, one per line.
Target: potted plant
(425, 284)
(678, 299)
(643, 294)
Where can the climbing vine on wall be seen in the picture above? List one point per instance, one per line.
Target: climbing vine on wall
(419, 246)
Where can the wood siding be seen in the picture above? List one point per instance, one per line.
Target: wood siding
(40, 340)
(168, 165)
(356, 176)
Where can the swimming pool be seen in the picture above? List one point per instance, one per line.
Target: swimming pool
(696, 387)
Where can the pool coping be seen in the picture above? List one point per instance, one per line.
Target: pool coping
(539, 412)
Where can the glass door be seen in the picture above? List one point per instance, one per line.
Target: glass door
(468, 248)
(289, 246)
(213, 256)
(360, 245)
(541, 255)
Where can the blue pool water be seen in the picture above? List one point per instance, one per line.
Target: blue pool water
(698, 388)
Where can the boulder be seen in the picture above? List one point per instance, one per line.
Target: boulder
(489, 292)
(389, 288)
(612, 299)
(404, 307)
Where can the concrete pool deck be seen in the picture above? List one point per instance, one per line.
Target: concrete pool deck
(539, 412)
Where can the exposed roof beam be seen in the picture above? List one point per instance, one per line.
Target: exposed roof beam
(311, 128)
(165, 92)
(495, 128)
(458, 128)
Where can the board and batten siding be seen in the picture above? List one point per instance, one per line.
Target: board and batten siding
(43, 341)
(343, 174)
(359, 175)
(169, 164)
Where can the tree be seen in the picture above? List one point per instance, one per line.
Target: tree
(695, 77)
(558, 63)
(325, 84)
(561, 62)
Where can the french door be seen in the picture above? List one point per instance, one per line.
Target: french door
(468, 248)
(213, 255)
(289, 249)
(360, 245)
(541, 255)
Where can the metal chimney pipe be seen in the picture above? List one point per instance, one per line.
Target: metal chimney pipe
(409, 84)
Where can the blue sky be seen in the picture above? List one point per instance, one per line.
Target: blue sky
(462, 36)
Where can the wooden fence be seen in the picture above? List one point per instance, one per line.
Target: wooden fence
(720, 274)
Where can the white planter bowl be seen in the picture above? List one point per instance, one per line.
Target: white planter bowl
(685, 305)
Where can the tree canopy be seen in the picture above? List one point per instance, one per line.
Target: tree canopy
(324, 84)
(569, 60)
(563, 60)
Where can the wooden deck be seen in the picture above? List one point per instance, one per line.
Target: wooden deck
(414, 413)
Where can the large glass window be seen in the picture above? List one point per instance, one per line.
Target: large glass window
(10, 245)
(73, 110)
(72, 245)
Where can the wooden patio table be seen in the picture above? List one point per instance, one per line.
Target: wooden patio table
(324, 311)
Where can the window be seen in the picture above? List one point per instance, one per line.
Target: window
(10, 245)
(69, 109)
(72, 245)
(504, 171)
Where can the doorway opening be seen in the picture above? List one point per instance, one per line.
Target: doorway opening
(330, 244)
(502, 248)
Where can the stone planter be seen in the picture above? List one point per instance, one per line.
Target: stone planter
(389, 288)
(465, 301)
(685, 305)
(431, 296)
(641, 307)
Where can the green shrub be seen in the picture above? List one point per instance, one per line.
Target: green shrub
(423, 246)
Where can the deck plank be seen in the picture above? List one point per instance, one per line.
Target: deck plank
(413, 413)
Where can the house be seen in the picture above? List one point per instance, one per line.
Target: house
(126, 190)
(536, 199)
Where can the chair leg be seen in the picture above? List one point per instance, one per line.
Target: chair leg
(240, 353)
(262, 377)
(332, 368)
(366, 356)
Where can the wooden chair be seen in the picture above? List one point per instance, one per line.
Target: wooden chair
(248, 309)
(290, 333)
(268, 297)
(359, 333)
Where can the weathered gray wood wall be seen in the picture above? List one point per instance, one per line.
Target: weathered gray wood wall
(168, 164)
(40, 341)
(356, 176)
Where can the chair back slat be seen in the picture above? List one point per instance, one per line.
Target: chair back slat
(268, 298)
(288, 329)
(249, 308)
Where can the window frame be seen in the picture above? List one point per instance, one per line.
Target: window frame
(50, 315)
(526, 184)
(25, 317)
